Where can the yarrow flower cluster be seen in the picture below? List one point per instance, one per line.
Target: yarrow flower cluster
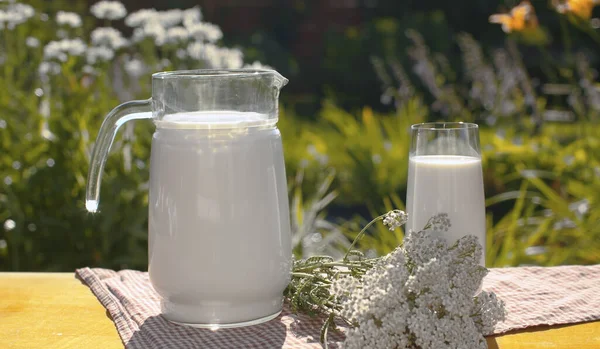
(140, 17)
(135, 68)
(111, 10)
(152, 29)
(178, 39)
(32, 42)
(70, 19)
(15, 14)
(191, 16)
(214, 56)
(99, 54)
(108, 37)
(423, 295)
(420, 296)
(61, 50)
(170, 18)
(205, 32)
(49, 68)
(394, 219)
(176, 35)
(257, 65)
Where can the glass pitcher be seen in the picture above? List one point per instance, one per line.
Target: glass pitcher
(219, 231)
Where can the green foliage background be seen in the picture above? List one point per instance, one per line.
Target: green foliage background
(542, 176)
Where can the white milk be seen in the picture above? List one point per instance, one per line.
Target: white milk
(219, 231)
(447, 184)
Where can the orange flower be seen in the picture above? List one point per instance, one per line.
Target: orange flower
(521, 18)
(580, 8)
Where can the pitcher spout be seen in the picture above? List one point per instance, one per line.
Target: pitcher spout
(279, 81)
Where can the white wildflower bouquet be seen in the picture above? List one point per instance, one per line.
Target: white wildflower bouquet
(424, 294)
(160, 40)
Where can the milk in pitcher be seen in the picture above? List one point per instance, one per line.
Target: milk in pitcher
(216, 253)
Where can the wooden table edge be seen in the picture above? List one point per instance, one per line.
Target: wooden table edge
(28, 301)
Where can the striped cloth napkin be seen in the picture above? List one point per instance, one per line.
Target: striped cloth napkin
(533, 296)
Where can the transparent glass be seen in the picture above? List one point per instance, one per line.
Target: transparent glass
(445, 176)
(218, 223)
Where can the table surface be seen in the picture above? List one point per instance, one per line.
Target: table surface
(55, 310)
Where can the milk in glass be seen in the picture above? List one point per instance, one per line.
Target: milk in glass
(451, 184)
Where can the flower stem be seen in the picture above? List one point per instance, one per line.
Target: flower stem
(360, 235)
(311, 276)
(347, 264)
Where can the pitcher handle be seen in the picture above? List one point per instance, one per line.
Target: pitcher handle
(121, 114)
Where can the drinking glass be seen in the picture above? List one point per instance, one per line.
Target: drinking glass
(445, 176)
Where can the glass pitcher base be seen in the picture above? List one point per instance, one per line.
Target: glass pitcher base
(223, 314)
(215, 327)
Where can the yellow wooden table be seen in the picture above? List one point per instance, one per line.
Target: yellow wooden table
(45, 310)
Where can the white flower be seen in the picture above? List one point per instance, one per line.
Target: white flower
(170, 18)
(164, 63)
(111, 10)
(176, 35)
(197, 50)
(70, 19)
(376, 158)
(49, 68)
(15, 14)
(257, 65)
(191, 16)
(74, 47)
(139, 18)
(60, 50)
(438, 223)
(135, 68)
(394, 219)
(422, 246)
(53, 50)
(488, 309)
(234, 58)
(99, 54)
(152, 29)
(9, 225)
(205, 32)
(216, 57)
(32, 42)
(109, 37)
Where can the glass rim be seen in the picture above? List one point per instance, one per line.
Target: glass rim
(441, 126)
(212, 73)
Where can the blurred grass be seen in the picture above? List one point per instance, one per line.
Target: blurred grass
(368, 151)
(542, 191)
